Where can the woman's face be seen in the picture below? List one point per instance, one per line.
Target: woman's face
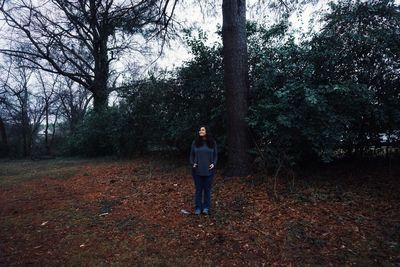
(202, 132)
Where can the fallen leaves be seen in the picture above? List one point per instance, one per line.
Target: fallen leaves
(119, 212)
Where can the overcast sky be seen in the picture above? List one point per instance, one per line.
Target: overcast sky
(208, 21)
(207, 17)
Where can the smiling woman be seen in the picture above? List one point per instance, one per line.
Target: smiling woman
(203, 159)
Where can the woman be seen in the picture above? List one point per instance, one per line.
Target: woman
(203, 159)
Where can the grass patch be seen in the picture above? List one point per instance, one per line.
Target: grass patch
(16, 171)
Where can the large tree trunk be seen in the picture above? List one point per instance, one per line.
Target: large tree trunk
(236, 86)
(101, 69)
(101, 63)
(100, 99)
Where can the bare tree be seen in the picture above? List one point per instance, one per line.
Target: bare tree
(79, 38)
(23, 109)
(48, 95)
(74, 102)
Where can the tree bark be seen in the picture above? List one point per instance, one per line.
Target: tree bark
(236, 86)
(101, 72)
(101, 33)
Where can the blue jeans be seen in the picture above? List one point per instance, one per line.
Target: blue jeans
(202, 184)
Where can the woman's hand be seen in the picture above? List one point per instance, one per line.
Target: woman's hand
(211, 166)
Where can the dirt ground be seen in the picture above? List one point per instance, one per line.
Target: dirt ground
(70, 212)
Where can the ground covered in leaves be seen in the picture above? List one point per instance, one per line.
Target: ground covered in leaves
(134, 213)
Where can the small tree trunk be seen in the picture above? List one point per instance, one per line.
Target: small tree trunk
(53, 134)
(25, 124)
(236, 86)
(46, 130)
(3, 136)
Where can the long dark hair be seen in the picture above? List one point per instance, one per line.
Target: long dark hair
(210, 139)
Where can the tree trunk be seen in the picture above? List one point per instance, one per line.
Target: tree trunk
(3, 141)
(236, 86)
(101, 63)
(25, 123)
(100, 91)
(100, 99)
(46, 129)
(53, 134)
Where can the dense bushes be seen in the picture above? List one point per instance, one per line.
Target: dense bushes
(96, 135)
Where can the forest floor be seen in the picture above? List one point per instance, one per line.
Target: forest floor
(73, 212)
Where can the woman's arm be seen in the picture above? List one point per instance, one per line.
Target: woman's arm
(215, 154)
(191, 157)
